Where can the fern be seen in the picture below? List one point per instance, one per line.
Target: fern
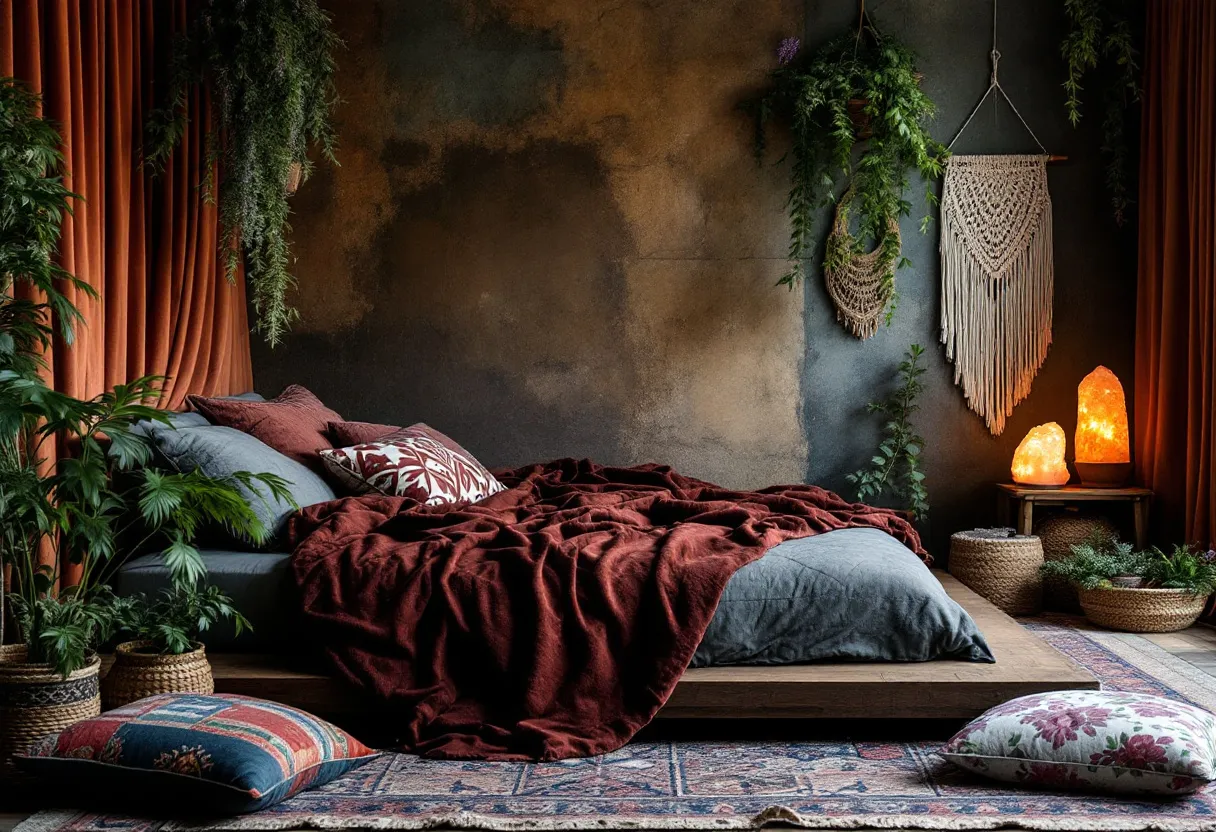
(1093, 563)
(270, 66)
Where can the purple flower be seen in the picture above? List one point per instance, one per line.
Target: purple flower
(788, 50)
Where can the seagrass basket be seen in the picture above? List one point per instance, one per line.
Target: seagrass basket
(36, 701)
(1001, 566)
(1141, 610)
(1059, 533)
(137, 672)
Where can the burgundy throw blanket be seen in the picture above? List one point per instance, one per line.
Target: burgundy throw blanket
(551, 620)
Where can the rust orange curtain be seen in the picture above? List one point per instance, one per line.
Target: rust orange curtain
(1176, 302)
(148, 244)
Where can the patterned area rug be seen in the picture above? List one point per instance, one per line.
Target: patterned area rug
(734, 785)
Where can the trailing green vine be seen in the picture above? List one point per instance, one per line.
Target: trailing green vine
(1102, 30)
(895, 469)
(869, 81)
(269, 65)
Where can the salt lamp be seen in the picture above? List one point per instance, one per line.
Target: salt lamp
(1039, 459)
(1103, 456)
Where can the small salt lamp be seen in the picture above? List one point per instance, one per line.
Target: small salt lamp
(1039, 459)
(1103, 455)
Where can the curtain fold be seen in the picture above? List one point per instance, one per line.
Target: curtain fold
(1176, 305)
(149, 244)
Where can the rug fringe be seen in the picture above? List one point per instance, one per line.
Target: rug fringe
(772, 816)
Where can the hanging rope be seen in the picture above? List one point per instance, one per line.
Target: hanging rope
(998, 277)
(994, 84)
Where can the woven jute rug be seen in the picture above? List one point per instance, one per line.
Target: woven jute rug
(733, 785)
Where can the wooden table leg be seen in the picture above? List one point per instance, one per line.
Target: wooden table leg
(1140, 517)
(1026, 517)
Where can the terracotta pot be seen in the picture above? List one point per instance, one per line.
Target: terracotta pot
(139, 672)
(1142, 610)
(36, 701)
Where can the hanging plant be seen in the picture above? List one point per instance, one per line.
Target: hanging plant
(269, 65)
(863, 89)
(1102, 31)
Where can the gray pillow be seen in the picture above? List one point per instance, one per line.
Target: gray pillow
(193, 420)
(219, 452)
(850, 594)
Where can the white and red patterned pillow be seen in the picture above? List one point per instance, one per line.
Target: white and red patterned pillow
(1092, 739)
(416, 462)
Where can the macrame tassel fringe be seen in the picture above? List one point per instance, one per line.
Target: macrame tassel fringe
(996, 330)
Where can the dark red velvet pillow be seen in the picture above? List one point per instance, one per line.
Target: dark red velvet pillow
(293, 423)
(343, 434)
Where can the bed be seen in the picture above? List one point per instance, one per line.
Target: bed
(847, 595)
(557, 615)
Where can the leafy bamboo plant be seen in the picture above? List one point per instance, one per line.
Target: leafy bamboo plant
(99, 502)
(895, 469)
(1103, 31)
(868, 76)
(269, 66)
(173, 623)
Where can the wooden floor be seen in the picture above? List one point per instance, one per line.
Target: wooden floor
(927, 690)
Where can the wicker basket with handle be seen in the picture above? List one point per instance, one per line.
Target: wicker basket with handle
(1001, 566)
(1141, 610)
(138, 672)
(36, 701)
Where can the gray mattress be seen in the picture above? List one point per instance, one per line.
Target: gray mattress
(852, 594)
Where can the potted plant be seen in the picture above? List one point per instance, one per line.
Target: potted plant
(1140, 592)
(861, 88)
(99, 502)
(164, 653)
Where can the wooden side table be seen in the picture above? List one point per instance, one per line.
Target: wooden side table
(1023, 498)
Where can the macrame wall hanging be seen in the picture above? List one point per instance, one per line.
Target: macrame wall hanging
(861, 284)
(997, 269)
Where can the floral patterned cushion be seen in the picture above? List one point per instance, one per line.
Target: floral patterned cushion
(1089, 739)
(416, 462)
(221, 754)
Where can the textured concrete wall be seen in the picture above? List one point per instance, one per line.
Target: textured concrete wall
(548, 237)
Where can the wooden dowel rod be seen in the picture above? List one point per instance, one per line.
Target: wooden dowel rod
(1057, 158)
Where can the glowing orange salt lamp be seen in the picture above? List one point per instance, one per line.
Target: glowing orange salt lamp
(1039, 459)
(1103, 456)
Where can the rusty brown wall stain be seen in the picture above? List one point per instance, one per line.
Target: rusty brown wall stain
(547, 235)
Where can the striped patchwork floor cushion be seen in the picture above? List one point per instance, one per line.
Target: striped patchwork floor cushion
(220, 754)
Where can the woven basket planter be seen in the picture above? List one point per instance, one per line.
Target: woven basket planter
(137, 673)
(1001, 566)
(1059, 533)
(1142, 610)
(36, 701)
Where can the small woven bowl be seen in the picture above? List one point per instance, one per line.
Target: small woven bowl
(138, 673)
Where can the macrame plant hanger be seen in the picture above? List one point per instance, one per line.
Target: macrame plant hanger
(997, 273)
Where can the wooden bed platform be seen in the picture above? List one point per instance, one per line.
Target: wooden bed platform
(927, 690)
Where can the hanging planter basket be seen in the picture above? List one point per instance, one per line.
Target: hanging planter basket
(1140, 610)
(139, 672)
(36, 701)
